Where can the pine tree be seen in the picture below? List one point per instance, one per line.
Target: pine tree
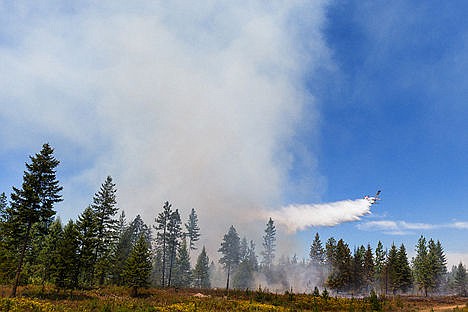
(440, 264)
(422, 266)
(460, 280)
(138, 266)
(330, 252)
(404, 275)
(358, 268)
(137, 228)
(230, 249)
(49, 254)
(317, 253)
(243, 249)
(379, 268)
(368, 274)
(201, 273)
(341, 274)
(269, 245)
(87, 238)
(183, 271)
(193, 231)
(66, 266)
(33, 203)
(161, 226)
(7, 252)
(174, 234)
(252, 257)
(243, 277)
(127, 237)
(391, 269)
(122, 250)
(104, 208)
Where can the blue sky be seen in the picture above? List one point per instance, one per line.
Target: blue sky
(233, 108)
(394, 114)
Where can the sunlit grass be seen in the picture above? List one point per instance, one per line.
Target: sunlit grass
(109, 299)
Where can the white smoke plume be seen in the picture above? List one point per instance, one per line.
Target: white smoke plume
(195, 103)
(299, 217)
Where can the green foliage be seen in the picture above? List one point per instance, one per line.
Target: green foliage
(375, 303)
(341, 275)
(316, 292)
(193, 230)
(230, 249)
(183, 272)
(317, 253)
(162, 238)
(104, 208)
(379, 267)
(49, 254)
(33, 204)
(87, 237)
(429, 265)
(460, 280)
(138, 266)
(201, 273)
(66, 264)
(269, 245)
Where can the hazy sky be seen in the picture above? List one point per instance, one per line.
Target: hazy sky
(235, 108)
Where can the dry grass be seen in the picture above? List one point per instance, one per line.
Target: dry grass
(117, 299)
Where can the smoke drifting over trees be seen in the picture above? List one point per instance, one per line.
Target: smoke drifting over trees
(101, 248)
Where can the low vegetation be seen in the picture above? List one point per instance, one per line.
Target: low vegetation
(152, 299)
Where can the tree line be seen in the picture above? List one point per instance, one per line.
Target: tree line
(102, 247)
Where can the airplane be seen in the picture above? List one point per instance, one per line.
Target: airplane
(374, 199)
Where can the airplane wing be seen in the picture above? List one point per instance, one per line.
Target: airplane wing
(377, 194)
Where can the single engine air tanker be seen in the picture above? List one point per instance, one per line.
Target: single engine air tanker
(373, 199)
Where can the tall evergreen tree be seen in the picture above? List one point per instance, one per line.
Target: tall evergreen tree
(66, 266)
(230, 249)
(269, 245)
(87, 238)
(404, 276)
(193, 230)
(104, 208)
(252, 256)
(161, 226)
(49, 254)
(368, 270)
(122, 250)
(330, 251)
(460, 280)
(358, 268)
(138, 266)
(317, 253)
(439, 265)
(33, 203)
(379, 267)
(392, 270)
(201, 273)
(243, 277)
(423, 273)
(341, 274)
(183, 271)
(174, 234)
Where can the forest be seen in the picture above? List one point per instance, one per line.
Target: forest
(102, 248)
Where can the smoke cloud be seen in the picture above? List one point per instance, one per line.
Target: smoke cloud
(195, 103)
(299, 217)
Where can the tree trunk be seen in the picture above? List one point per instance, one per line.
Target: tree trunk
(227, 282)
(20, 261)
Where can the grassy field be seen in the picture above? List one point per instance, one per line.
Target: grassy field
(117, 299)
